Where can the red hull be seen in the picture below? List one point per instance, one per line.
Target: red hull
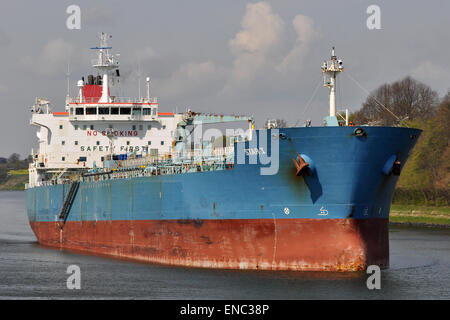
(285, 244)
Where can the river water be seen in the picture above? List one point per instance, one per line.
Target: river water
(420, 269)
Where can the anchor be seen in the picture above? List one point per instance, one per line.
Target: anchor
(301, 165)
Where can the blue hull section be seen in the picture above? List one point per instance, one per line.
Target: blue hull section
(348, 182)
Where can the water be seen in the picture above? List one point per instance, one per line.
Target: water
(420, 269)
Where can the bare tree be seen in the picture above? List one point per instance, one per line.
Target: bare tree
(392, 103)
(14, 158)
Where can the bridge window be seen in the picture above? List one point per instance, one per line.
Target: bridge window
(114, 110)
(146, 111)
(75, 127)
(125, 110)
(92, 127)
(154, 111)
(103, 110)
(136, 111)
(133, 127)
(149, 126)
(140, 127)
(79, 111)
(91, 111)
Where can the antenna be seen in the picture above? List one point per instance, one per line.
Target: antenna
(330, 70)
(148, 89)
(139, 74)
(68, 78)
(105, 63)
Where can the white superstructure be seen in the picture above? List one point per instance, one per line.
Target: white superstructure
(97, 126)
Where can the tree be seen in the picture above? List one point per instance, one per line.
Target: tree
(392, 103)
(15, 157)
(429, 163)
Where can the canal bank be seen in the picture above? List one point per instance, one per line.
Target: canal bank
(420, 216)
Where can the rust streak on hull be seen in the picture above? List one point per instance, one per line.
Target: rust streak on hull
(288, 244)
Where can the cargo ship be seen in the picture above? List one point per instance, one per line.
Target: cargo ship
(118, 177)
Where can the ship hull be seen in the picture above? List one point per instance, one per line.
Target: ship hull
(289, 244)
(332, 218)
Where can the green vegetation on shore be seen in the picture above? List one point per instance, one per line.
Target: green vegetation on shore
(420, 215)
(13, 173)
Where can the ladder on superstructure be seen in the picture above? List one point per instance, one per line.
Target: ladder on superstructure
(65, 210)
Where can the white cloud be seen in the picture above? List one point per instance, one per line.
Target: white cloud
(52, 60)
(306, 34)
(260, 50)
(146, 53)
(193, 78)
(261, 32)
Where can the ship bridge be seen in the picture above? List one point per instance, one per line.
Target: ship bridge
(119, 109)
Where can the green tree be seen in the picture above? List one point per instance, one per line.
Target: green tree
(429, 164)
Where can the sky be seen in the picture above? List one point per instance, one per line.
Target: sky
(259, 58)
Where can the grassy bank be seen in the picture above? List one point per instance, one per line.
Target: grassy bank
(15, 180)
(420, 215)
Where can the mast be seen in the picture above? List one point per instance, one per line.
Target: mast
(330, 70)
(148, 88)
(105, 63)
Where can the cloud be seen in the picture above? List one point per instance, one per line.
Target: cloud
(146, 53)
(306, 34)
(193, 78)
(261, 53)
(261, 32)
(52, 60)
